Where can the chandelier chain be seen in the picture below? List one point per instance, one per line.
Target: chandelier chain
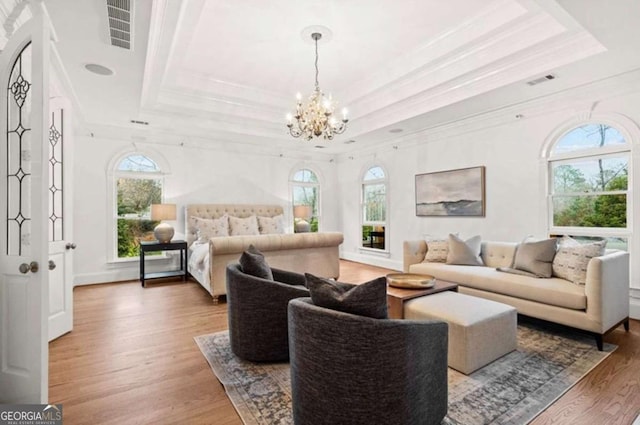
(317, 84)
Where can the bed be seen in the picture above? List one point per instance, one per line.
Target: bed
(315, 253)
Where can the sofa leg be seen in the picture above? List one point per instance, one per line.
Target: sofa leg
(626, 325)
(599, 341)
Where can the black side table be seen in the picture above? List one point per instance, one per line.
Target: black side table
(153, 246)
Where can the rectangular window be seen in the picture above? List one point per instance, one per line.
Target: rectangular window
(590, 192)
(375, 203)
(307, 195)
(135, 196)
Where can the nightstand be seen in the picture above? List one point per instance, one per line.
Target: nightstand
(154, 246)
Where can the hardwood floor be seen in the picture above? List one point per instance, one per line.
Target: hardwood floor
(131, 358)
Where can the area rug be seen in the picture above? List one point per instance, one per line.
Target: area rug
(512, 390)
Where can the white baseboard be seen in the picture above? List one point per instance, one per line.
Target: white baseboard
(634, 308)
(372, 260)
(105, 277)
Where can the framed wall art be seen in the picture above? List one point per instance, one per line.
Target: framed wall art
(451, 193)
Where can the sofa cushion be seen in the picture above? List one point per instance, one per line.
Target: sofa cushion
(552, 291)
(464, 252)
(367, 299)
(437, 249)
(536, 257)
(243, 226)
(252, 262)
(498, 254)
(572, 259)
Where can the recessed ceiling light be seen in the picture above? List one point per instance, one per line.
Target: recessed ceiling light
(348, 142)
(98, 69)
(396, 130)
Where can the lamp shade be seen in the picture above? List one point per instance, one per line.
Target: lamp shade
(163, 212)
(302, 211)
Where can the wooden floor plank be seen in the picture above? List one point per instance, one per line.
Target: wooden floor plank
(131, 358)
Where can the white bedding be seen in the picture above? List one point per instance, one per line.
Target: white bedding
(198, 264)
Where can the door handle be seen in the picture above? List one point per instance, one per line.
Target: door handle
(70, 245)
(31, 267)
(52, 265)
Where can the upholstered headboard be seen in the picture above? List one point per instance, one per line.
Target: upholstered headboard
(218, 210)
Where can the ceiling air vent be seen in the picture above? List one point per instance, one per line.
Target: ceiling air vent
(139, 122)
(119, 12)
(541, 79)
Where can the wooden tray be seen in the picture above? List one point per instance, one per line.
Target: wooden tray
(411, 281)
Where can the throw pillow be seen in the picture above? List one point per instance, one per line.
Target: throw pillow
(210, 227)
(253, 262)
(577, 259)
(243, 226)
(437, 250)
(271, 225)
(368, 299)
(465, 253)
(536, 257)
(562, 263)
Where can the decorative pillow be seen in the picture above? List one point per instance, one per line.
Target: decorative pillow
(562, 265)
(211, 227)
(437, 250)
(574, 260)
(368, 299)
(243, 226)
(465, 253)
(271, 225)
(536, 257)
(252, 262)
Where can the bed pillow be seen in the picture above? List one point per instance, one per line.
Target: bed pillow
(572, 259)
(536, 257)
(466, 253)
(271, 225)
(210, 227)
(368, 299)
(243, 226)
(253, 263)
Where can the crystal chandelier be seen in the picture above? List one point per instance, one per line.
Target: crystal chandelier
(316, 117)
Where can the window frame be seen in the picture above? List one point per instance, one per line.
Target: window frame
(363, 222)
(610, 151)
(113, 174)
(298, 183)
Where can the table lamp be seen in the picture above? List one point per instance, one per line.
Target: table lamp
(163, 231)
(302, 213)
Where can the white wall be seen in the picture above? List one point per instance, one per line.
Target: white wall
(510, 149)
(198, 175)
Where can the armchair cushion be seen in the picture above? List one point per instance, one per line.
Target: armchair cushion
(368, 299)
(253, 263)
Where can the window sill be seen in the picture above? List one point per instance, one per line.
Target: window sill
(375, 252)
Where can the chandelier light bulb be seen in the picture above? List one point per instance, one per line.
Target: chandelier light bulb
(315, 118)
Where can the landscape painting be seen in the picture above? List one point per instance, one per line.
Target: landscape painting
(451, 193)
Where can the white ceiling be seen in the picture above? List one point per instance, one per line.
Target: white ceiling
(228, 70)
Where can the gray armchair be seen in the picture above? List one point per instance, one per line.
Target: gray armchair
(348, 369)
(258, 313)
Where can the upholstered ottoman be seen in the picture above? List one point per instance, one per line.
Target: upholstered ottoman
(480, 331)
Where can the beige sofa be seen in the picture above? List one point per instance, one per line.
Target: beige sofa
(316, 253)
(597, 307)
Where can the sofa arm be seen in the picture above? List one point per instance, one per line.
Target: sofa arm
(413, 253)
(607, 289)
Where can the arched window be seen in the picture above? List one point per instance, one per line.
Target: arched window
(589, 184)
(374, 209)
(305, 197)
(138, 183)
